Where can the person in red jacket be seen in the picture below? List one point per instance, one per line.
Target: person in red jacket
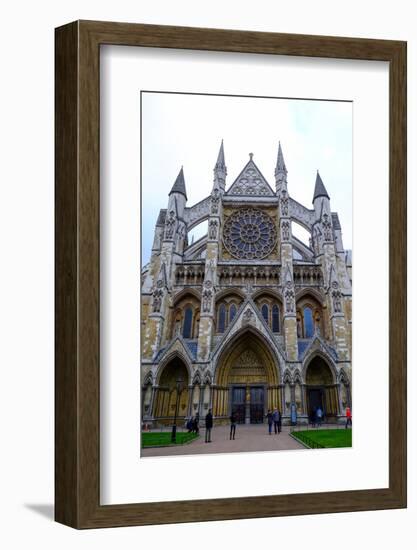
(348, 417)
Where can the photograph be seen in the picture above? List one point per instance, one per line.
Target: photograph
(246, 275)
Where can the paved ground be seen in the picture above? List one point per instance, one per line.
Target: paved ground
(248, 438)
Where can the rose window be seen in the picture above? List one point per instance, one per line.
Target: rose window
(249, 234)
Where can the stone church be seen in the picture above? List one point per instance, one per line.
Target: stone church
(247, 318)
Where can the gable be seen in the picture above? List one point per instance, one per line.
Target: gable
(250, 182)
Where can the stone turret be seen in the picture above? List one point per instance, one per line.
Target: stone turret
(206, 328)
(286, 254)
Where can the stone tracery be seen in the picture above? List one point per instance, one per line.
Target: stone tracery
(249, 234)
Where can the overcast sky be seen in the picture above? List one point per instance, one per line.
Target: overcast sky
(186, 130)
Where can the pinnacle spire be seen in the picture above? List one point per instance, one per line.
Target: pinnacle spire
(220, 170)
(319, 189)
(220, 157)
(280, 171)
(280, 166)
(179, 184)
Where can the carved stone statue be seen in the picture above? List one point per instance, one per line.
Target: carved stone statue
(327, 228)
(213, 229)
(170, 225)
(207, 296)
(215, 199)
(337, 298)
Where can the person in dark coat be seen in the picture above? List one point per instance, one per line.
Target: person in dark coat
(276, 417)
(270, 422)
(197, 423)
(209, 426)
(233, 421)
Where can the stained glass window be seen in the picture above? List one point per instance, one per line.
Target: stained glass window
(222, 318)
(265, 313)
(275, 318)
(232, 312)
(188, 320)
(308, 323)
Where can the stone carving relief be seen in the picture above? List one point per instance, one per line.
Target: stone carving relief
(251, 182)
(285, 231)
(247, 316)
(289, 298)
(284, 203)
(327, 228)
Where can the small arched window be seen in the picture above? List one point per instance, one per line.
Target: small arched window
(308, 323)
(222, 318)
(232, 312)
(188, 323)
(265, 313)
(275, 318)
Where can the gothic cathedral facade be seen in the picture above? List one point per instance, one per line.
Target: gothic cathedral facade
(248, 318)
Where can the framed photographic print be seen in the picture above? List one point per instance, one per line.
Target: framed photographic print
(230, 274)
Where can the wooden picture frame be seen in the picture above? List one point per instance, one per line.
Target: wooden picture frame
(77, 404)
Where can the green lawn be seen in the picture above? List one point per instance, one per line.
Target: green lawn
(325, 438)
(152, 439)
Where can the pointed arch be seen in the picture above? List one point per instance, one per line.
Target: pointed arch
(247, 338)
(148, 379)
(343, 377)
(287, 379)
(306, 292)
(230, 292)
(318, 353)
(171, 357)
(182, 294)
(196, 378)
(297, 377)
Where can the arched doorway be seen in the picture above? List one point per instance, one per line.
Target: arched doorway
(321, 389)
(167, 393)
(247, 380)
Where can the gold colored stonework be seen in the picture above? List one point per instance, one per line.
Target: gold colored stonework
(248, 369)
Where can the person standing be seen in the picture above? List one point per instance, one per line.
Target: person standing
(233, 421)
(197, 424)
(275, 418)
(270, 422)
(348, 417)
(209, 426)
(279, 421)
(319, 416)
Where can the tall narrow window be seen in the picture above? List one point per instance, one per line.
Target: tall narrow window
(232, 312)
(222, 318)
(265, 313)
(275, 318)
(197, 327)
(188, 321)
(308, 323)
